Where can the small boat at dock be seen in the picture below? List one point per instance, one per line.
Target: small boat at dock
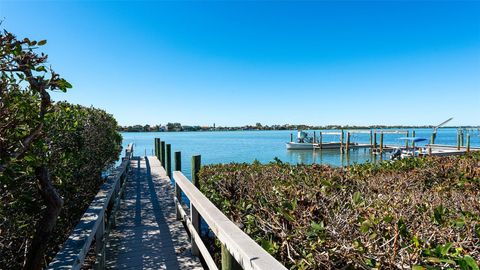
(305, 142)
(413, 151)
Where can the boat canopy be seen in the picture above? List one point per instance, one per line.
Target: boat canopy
(413, 139)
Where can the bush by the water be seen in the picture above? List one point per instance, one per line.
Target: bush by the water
(51, 156)
(421, 213)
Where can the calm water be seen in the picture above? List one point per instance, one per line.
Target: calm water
(264, 146)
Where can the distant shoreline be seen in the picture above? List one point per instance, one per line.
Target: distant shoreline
(147, 128)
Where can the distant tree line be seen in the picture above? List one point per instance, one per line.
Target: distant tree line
(175, 127)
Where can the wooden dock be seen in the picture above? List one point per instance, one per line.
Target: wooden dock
(137, 220)
(147, 234)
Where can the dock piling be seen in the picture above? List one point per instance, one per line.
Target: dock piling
(162, 153)
(468, 142)
(406, 141)
(341, 141)
(371, 139)
(291, 137)
(169, 160)
(381, 142)
(347, 146)
(321, 138)
(458, 140)
(413, 135)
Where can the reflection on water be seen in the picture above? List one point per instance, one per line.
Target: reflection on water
(334, 157)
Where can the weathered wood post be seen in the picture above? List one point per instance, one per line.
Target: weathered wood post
(314, 137)
(320, 140)
(347, 146)
(341, 141)
(194, 215)
(156, 146)
(381, 142)
(371, 139)
(468, 142)
(169, 160)
(458, 140)
(374, 140)
(100, 245)
(462, 137)
(406, 141)
(160, 150)
(291, 137)
(432, 139)
(413, 141)
(162, 153)
(178, 191)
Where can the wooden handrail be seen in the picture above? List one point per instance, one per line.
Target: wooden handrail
(244, 249)
(92, 224)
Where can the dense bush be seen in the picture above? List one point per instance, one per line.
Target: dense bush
(411, 213)
(51, 156)
(83, 143)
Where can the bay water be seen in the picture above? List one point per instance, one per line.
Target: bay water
(264, 146)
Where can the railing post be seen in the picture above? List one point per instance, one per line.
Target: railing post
(100, 245)
(228, 261)
(194, 215)
(375, 140)
(178, 191)
(155, 143)
(169, 161)
(162, 153)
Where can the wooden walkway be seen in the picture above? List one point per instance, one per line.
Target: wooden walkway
(147, 234)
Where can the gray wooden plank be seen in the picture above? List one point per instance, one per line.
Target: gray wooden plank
(147, 234)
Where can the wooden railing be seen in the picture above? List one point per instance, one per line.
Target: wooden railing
(239, 251)
(95, 222)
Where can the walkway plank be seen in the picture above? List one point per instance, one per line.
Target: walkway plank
(147, 234)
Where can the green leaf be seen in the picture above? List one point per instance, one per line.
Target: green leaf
(445, 248)
(365, 226)
(41, 68)
(418, 267)
(470, 262)
(357, 197)
(42, 42)
(388, 219)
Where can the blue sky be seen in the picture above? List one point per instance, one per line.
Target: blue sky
(236, 63)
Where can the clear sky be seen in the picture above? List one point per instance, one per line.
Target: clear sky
(236, 63)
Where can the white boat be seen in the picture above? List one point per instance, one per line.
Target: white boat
(300, 146)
